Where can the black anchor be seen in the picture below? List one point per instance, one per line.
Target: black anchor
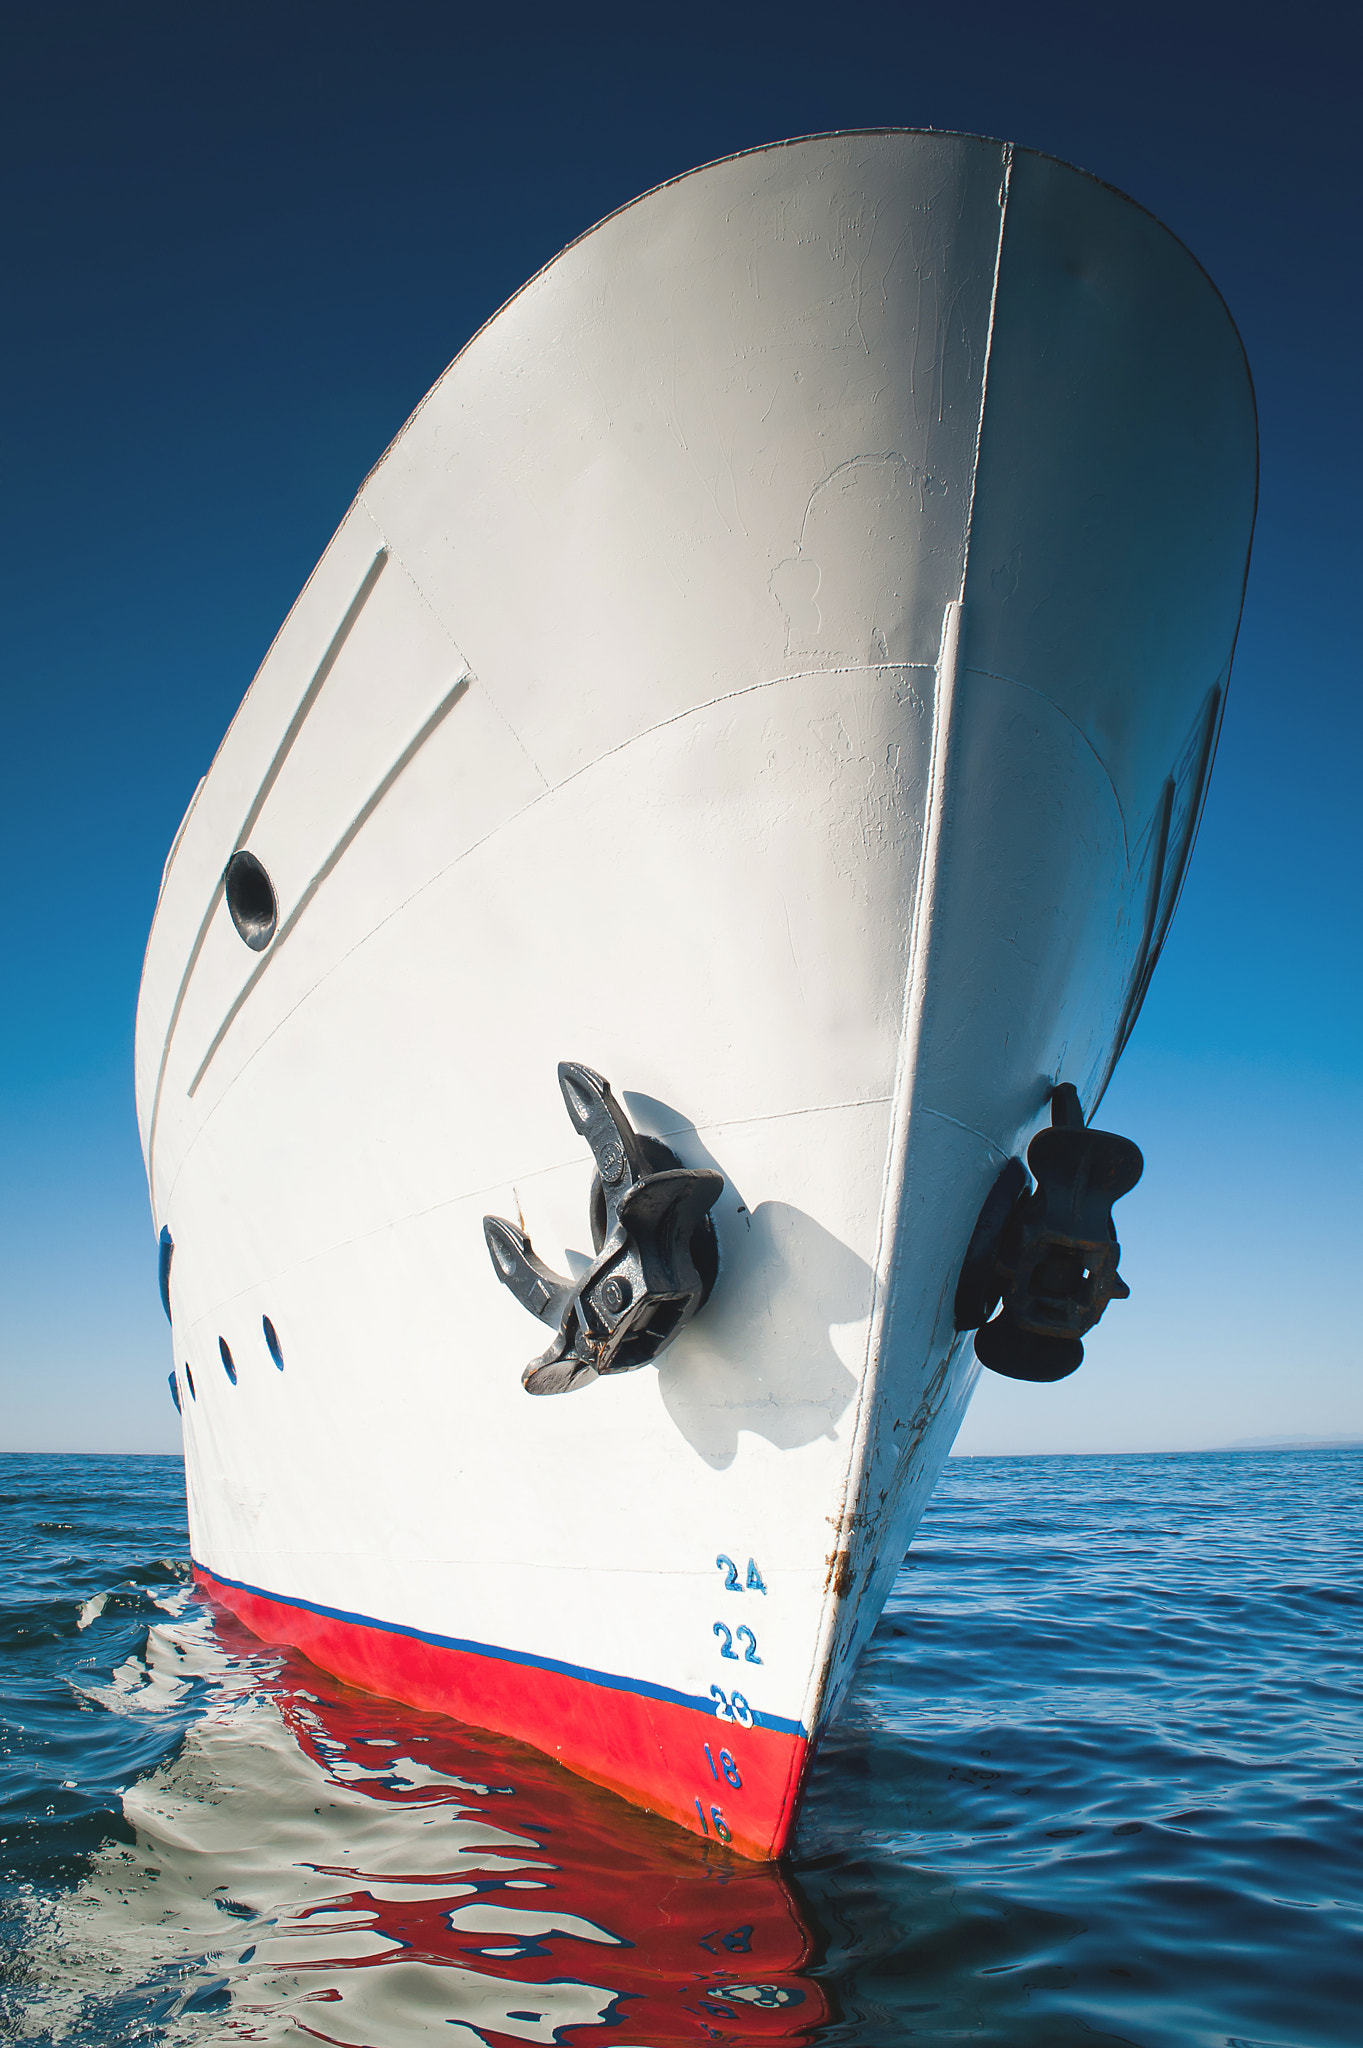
(1048, 1252)
(656, 1251)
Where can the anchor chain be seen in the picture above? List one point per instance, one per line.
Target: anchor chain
(656, 1251)
(1047, 1252)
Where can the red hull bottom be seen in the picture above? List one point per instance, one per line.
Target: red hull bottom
(738, 1784)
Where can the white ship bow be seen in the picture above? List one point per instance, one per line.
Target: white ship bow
(778, 666)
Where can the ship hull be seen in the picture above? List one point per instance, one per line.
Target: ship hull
(778, 666)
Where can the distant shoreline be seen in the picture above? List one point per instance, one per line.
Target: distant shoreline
(1245, 1447)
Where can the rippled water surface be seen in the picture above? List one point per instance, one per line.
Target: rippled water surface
(1099, 1782)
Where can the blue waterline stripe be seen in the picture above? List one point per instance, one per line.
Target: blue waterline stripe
(608, 1680)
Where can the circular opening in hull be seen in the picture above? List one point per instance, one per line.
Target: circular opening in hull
(165, 1254)
(251, 900)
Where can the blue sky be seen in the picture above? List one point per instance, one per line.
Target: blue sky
(241, 242)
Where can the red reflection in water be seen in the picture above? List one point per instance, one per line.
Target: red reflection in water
(588, 1920)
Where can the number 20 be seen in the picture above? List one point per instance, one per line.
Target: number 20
(731, 1709)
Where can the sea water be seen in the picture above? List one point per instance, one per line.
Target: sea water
(1098, 1783)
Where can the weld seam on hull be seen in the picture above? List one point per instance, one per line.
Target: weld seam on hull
(272, 773)
(903, 1097)
(342, 846)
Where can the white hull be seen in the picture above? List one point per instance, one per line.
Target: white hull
(778, 665)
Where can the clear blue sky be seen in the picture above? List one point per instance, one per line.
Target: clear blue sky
(241, 242)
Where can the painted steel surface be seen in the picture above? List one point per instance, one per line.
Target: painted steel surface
(778, 666)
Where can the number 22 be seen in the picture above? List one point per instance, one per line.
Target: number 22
(726, 1648)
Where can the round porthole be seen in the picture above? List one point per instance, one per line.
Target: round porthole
(250, 900)
(272, 1342)
(190, 1378)
(165, 1253)
(228, 1367)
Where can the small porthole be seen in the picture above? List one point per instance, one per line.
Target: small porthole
(190, 1380)
(272, 1342)
(227, 1364)
(251, 900)
(165, 1253)
(175, 1394)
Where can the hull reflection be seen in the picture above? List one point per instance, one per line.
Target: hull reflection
(388, 1872)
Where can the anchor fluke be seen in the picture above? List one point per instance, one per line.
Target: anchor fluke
(529, 1279)
(656, 1252)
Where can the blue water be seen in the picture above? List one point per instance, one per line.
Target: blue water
(1099, 1783)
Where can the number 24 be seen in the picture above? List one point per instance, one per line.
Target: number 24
(756, 1583)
